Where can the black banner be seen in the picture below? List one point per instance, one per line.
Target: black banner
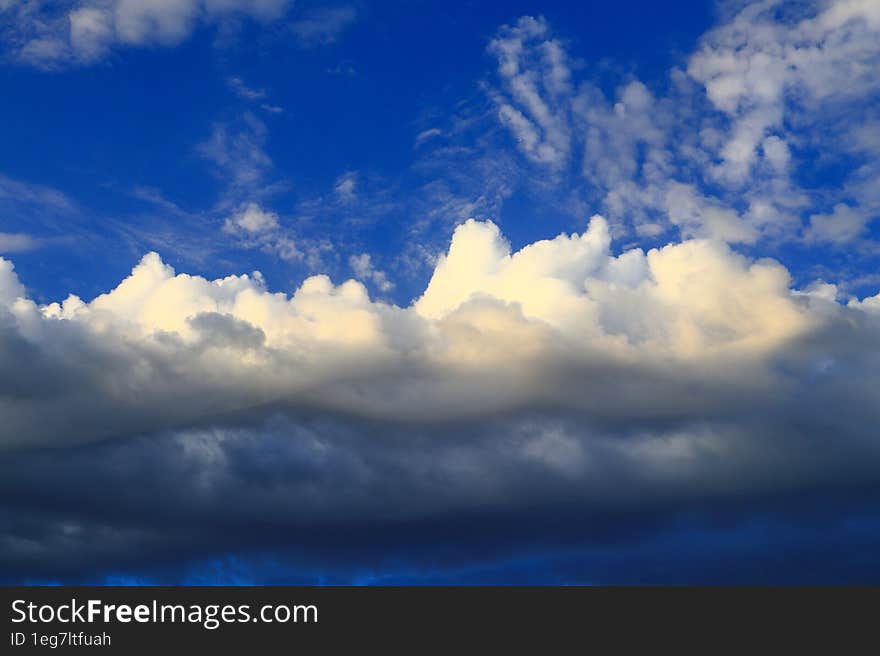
(411, 620)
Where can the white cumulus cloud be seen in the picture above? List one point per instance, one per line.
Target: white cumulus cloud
(493, 330)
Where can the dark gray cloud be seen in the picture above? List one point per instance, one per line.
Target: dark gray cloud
(316, 494)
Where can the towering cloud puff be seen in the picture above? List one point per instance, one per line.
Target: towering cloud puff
(686, 299)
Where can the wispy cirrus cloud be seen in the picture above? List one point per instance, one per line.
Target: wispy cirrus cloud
(33, 215)
(243, 90)
(257, 96)
(238, 150)
(16, 242)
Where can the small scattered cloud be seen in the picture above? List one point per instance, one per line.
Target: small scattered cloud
(345, 186)
(425, 135)
(254, 227)
(59, 35)
(342, 69)
(362, 265)
(244, 91)
(251, 220)
(843, 225)
(322, 26)
(238, 151)
(288, 249)
(17, 242)
(259, 96)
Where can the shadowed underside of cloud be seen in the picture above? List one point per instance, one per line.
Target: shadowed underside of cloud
(176, 417)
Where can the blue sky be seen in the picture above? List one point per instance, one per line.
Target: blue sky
(408, 292)
(121, 136)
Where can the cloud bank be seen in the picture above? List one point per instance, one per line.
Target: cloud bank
(557, 374)
(521, 323)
